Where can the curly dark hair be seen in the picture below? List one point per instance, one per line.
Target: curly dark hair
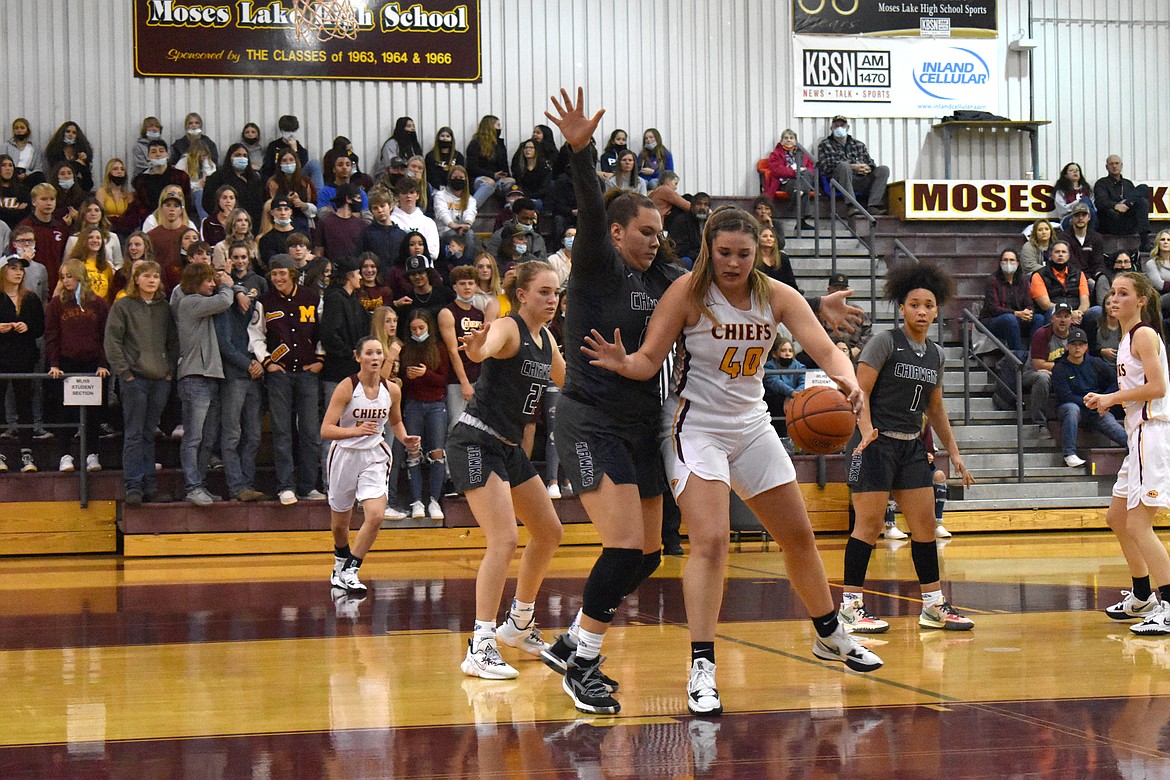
(904, 278)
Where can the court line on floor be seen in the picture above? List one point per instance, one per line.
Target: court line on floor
(997, 709)
(942, 697)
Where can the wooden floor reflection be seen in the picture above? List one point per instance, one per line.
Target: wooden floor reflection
(246, 666)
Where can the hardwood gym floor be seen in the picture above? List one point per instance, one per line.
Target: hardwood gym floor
(241, 666)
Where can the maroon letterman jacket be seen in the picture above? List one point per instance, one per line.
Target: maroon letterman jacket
(286, 331)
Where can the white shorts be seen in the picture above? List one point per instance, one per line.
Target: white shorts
(750, 460)
(357, 475)
(1144, 477)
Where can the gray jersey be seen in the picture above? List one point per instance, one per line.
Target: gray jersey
(908, 373)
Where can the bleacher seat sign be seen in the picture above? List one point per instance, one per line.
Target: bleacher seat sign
(83, 391)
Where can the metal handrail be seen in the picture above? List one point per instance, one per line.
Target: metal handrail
(82, 472)
(970, 320)
(871, 222)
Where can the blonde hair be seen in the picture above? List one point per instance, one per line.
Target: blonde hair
(486, 135)
(496, 288)
(731, 220)
(75, 269)
(1155, 253)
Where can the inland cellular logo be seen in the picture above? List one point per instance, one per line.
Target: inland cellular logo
(945, 78)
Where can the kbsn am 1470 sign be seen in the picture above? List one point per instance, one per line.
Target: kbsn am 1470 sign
(322, 39)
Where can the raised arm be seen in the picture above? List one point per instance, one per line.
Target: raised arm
(498, 339)
(672, 313)
(578, 129)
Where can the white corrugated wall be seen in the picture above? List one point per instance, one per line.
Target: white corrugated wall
(713, 77)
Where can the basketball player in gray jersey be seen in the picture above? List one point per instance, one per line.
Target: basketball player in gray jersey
(900, 373)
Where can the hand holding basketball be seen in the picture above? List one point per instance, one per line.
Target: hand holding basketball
(820, 420)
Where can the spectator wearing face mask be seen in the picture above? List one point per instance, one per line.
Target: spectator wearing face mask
(70, 145)
(843, 157)
(342, 172)
(562, 259)
(237, 172)
(339, 233)
(443, 157)
(455, 209)
(514, 249)
(149, 186)
(274, 240)
(607, 161)
(403, 142)
(27, 158)
(288, 126)
(523, 221)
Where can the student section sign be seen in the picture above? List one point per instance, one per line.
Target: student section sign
(894, 77)
(432, 40)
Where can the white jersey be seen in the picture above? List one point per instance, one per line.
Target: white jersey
(360, 409)
(1131, 373)
(720, 364)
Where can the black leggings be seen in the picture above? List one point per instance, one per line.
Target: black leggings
(22, 392)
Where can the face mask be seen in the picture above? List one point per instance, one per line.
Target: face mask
(250, 139)
(69, 141)
(451, 253)
(195, 132)
(355, 205)
(282, 222)
(20, 136)
(239, 163)
(153, 135)
(521, 248)
(840, 133)
(158, 162)
(65, 184)
(526, 228)
(569, 242)
(458, 185)
(412, 174)
(420, 337)
(288, 136)
(288, 169)
(444, 145)
(651, 145)
(461, 299)
(1008, 268)
(499, 135)
(119, 180)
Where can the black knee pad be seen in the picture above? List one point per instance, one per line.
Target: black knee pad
(607, 583)
(647, 566)
(925, 555)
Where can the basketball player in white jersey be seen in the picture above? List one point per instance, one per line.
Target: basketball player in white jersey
(1143, 482)
(724, 316)
(359, 460)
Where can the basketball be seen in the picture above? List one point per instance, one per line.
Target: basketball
(820, 420)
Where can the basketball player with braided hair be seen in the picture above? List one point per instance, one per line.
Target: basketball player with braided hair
(723, 317)
(1142, 482)
(900, 372)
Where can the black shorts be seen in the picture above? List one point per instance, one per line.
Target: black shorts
(474, 455)
(592, 444)
(891, 464)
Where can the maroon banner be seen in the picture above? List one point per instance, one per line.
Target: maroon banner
(312, 39)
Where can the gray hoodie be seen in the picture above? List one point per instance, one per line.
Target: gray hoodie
(141, 339)
(198, 344)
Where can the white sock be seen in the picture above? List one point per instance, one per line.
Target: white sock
(588, 644)
(575, 626)
(484, 629)
(848, 597)
(930, 598)
(522, 613)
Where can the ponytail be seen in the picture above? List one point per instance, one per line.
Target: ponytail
(523, 276)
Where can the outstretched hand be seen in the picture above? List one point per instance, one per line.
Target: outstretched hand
(577, 128)
(472, 343)
(603, 354)
(838, 315)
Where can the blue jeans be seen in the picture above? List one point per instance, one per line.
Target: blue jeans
(240, 428)
(1009, 329)
(1072, 417)
(327, 388)
(486, 186)
(429, 420)
(142, 405)
(292, 397)
(199, 394)
(397, 458)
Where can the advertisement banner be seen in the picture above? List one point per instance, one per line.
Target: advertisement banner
(894, 77)
(896, 18)
(310, 39)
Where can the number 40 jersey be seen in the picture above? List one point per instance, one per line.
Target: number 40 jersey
(719, 365)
